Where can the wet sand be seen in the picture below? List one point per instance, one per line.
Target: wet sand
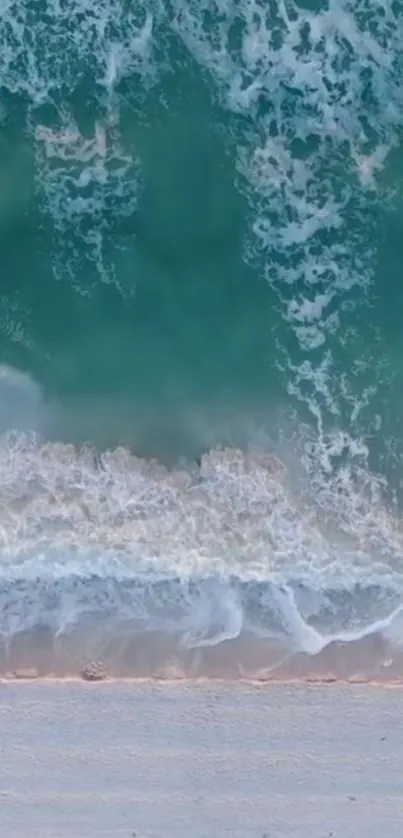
(124, 652)
(200, 760)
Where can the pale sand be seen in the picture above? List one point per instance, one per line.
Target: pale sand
(199, 760)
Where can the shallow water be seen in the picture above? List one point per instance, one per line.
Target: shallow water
(200, 234)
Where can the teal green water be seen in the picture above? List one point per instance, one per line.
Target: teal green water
(216, 261)
(167, 321)
(201, 225)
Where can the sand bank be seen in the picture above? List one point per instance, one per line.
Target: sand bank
(200, 760)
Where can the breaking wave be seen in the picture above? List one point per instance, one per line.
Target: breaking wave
(283, 557)
(232, 566)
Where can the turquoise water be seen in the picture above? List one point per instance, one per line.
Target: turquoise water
(141, 300)
(200, 238)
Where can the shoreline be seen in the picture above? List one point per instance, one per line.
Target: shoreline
(94, 683)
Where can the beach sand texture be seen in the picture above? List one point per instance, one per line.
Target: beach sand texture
(200, 760)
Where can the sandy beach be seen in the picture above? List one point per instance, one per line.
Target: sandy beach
(199, 760)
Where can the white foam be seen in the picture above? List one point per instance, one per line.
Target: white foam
(301, 78)
(302, 74)
(305, 73)
(89, 34)
(67, 511)
(77, 176)
(78, 179)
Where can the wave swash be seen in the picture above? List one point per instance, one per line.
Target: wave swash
(285, 558)
(241, 565)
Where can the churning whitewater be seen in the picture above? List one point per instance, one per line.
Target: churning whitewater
(228, 567)
(200, 339)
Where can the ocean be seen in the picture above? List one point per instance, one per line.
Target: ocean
(201, 226)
